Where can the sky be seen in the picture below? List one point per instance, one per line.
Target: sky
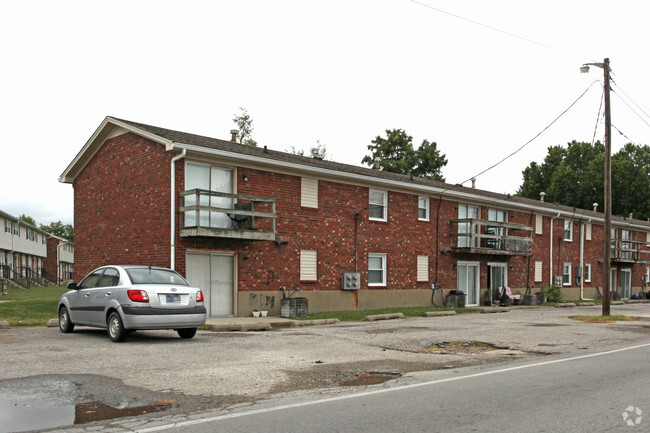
(481, 79)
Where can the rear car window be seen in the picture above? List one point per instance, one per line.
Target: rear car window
(155, 276)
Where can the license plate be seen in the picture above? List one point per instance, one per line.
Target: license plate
(173, 299)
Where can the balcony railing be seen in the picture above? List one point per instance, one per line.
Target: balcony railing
(223, 215)
(475, 236)
(628, 251)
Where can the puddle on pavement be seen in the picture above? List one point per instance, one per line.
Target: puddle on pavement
(370, 379)
(460, 347)
(52, 405)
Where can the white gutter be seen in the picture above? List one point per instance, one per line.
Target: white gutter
(172, 258)
(550, 243)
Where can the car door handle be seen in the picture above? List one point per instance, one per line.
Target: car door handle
(87, 295)
(108, 293)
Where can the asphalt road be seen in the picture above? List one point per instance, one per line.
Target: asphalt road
(84, 381)
(595, 392)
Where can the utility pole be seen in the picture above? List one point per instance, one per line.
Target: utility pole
(608, 191)
(607, 184)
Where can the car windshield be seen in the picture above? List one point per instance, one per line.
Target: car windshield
(155, 276)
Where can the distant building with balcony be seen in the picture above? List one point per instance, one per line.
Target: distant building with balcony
(250, 225)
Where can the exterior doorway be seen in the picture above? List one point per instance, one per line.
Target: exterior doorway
(468, 281)
(214, 273)
(498, 277)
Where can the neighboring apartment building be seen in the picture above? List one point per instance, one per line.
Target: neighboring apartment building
(22, 250)
(245, 222)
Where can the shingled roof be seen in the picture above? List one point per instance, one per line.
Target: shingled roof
(437, 188)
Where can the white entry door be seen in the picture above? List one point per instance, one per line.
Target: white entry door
(215, 275)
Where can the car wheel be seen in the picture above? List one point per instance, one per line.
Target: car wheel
(115, 327)
(186, 332)
(65, 324)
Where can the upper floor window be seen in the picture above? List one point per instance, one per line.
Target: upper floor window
(7, 227)
(423, 208)
(499, 232)
(378, 205)
(568, 230)
(209, 178)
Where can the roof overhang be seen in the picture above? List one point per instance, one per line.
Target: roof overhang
(108, 129)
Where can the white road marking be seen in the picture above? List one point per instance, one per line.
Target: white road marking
(378, 391)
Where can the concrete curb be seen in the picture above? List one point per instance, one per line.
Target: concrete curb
(586, 304)
(301, 323)
(53, 323)
(4, 324)
(494, 310)
(375, 317)
(230, 327)
(565, 305)
(438, 313)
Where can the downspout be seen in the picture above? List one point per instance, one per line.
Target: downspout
(173, 207)
(550, 260)
(582, 260)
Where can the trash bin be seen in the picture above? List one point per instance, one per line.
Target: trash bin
(455, 299)
(294, 307)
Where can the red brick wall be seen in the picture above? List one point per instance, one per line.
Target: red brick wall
(122, 202)
(49, 262)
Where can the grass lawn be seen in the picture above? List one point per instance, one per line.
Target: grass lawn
(359, 315)
(30, 307)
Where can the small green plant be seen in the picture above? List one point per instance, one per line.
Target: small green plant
(553, 294)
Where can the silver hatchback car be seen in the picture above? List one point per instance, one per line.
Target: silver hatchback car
(127, 298)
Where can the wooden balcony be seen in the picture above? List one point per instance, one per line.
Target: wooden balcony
(473, 236)
(222, 215)
(629, 252)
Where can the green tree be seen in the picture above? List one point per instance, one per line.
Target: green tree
(244, 124)
(319, 151)
(396, 154)
(27, 219)
(573, 176)
(59, 229)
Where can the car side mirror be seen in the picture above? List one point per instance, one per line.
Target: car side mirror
(73, 286)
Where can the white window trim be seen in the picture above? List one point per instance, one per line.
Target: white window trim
(381, 256)
(426, 207)
(569, 224)
(587, 266)
(384, 204)
(564, 265)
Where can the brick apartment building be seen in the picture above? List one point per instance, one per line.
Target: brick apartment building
(244, 223)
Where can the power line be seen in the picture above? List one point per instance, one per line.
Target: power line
(535, 137)
(593, 139)
(632, 109)
(495, 29)
(630, 98)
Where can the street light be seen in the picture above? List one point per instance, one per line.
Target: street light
(608, 181)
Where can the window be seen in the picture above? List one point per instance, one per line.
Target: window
(539, 224)
(568, 230)
(308, 265)
(626, 247)
(214, 179)
(7, 227)
(16, 229)
(309, 192)
(538, 271)
(647, 275)
(378, 205)
(566, 274)
(423, 268)
(466, 211)
(376, 269)
(423, 208)
(497, 216)
(587, 272)
(588, 231)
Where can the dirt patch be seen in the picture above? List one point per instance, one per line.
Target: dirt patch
(460, 348)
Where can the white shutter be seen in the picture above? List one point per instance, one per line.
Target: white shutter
(309, 192)
(538, 271)
(588, 231)
(308, 265)
(539, 224)
(423, 268)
